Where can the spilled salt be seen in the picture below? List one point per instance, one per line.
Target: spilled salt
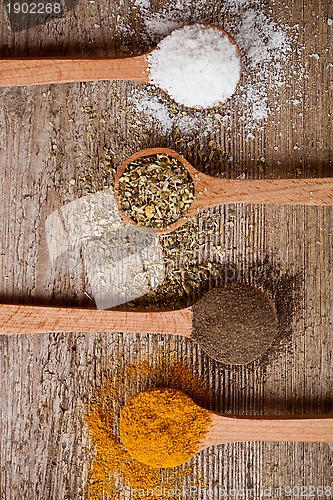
(199, 66)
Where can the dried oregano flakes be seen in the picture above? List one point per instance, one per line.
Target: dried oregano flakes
(155, 191)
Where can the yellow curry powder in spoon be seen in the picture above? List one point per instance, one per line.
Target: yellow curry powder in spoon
(163, 427)
(113, 470)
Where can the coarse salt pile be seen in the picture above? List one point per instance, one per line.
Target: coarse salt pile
(198, 65)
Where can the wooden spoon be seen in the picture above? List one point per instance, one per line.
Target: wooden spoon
(233, 324)
(212, 191)
(163, 427)
(295, 428)
(38, 71)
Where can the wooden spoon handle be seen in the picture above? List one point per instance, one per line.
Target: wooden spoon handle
(298, 428)
(15, 319)
(29, 71)
(318, 191)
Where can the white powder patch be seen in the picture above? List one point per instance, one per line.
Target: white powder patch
(145, 4)
(260, 37)
(161, 26)
(157, 112)
(152, 108)
(197, 65)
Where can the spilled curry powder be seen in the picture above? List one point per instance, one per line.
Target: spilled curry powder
(163, 427)
(113, 470)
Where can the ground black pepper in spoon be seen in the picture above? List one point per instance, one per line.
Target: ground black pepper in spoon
(232, 324)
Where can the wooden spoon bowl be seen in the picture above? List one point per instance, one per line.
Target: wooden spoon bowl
(212, 191)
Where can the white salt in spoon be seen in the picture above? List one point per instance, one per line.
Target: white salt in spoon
(198, 65)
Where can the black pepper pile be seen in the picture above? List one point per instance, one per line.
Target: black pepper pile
(235, 324)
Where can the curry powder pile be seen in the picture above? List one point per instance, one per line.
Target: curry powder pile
(163, 427)
(114, 474)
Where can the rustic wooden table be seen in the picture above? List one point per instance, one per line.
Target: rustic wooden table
(52, 141)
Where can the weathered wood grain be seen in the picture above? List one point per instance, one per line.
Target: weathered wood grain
(49, 142)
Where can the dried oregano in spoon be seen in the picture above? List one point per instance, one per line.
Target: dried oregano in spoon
(155, 191)
(159, 189)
